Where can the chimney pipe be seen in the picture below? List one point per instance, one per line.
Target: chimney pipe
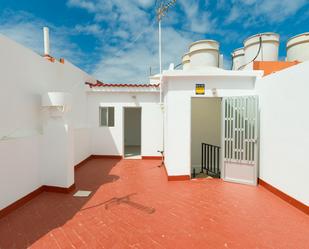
(46, 41)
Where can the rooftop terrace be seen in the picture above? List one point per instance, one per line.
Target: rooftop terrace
(133, 206)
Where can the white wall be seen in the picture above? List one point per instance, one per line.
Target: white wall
(109, 140)
(284, 131)
(205, 126)
(19, 168)
(24, 77)
(57, 164)
(177, 100)
(82, 147)
(132, 126)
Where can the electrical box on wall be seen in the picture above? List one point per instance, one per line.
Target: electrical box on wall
(200, 89)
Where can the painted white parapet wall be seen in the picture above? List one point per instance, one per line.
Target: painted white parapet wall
(29, 155)
(19, 168)
(57, 153)
(82, 144)
(284, 131)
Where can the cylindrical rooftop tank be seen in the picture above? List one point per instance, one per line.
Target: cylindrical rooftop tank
(262, 47)
(204, 53)
(238, 57)
(186, 61)
(298, 48)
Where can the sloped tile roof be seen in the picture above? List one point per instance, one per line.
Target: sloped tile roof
(101, 84)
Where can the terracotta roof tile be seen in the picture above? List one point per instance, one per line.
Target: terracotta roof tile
(101, 84)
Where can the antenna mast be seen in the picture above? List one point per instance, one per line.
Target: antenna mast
(161, 10)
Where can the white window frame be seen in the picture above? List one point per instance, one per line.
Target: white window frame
(107, 116)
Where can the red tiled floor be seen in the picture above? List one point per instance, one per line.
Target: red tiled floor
(133, 206)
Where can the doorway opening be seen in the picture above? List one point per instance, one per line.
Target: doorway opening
(132, 132)
(206, 137)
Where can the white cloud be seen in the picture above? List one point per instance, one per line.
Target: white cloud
(115, 11)
(132, 39)
(197, 19)
(250, 2)
(132, 46)
(235, 13)
(122, 34)
(255, 12)
(132, 65)
(222, 4)
(27, 30)
(90, 29)
(279, 10)
(145, 3)
(88, 5)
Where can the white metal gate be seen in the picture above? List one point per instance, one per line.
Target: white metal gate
(240, 139)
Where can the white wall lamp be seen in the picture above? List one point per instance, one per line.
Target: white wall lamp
(57, 103)
(214, 92)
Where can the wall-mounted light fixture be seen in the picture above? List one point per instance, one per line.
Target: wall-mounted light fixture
(214, 92)
(56, 102)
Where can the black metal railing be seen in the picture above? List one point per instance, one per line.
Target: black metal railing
(211, 160)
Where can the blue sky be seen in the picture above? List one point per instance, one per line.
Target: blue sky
(116, 40)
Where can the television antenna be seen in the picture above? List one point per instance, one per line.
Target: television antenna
(162, 7)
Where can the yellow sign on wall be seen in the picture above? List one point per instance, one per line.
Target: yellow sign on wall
(200, 89)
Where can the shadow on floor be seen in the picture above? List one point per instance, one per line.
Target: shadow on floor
(124, 200)
(24, 226)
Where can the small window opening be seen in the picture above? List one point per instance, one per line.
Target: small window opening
(107, 116)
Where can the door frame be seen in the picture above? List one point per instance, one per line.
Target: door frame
(222, 133)
(123, 127)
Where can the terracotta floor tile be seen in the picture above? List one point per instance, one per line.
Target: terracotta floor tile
(133, 206)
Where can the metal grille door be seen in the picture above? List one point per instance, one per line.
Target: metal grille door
(240, 139)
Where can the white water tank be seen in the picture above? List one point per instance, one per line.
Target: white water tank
(238, 57)
(262, 47)
(221, 61)
(186, 61)
(204, 53)
(298, 48)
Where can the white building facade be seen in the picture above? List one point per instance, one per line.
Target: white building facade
(266, 139)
